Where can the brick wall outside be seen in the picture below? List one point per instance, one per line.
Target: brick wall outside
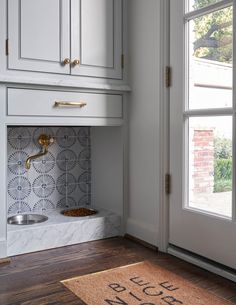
(203, 160)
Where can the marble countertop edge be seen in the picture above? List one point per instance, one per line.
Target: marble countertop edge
(56, 218)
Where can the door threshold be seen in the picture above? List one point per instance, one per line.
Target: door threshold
(202, 262)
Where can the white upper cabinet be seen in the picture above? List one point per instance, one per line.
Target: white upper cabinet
(39, 35)
(96, 38)
(86, 33)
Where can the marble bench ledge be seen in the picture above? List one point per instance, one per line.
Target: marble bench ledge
(61, 231)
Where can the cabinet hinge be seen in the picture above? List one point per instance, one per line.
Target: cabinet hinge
(167, 184)
(7, 47)
(168, 76)
(122, 61)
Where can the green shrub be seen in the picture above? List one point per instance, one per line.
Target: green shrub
(223, 169)
(222, 175)
(222, 186)
(222, 148)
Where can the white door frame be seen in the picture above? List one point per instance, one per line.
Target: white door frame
(163, 221)
(163, 224)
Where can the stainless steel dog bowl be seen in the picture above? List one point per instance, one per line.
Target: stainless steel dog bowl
(26, 219)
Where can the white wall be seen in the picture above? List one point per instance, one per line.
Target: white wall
(107, 168)
(3, 181)
(144, 103)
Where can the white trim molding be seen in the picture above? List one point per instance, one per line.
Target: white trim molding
(163, 221)
(3, 248)
(202, 264)
(141, 230)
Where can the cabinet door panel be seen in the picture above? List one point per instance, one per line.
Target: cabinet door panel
(97, 37)
(97, 31)
(39, 35)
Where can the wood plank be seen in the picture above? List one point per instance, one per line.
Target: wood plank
(34, 279)
(4, 261)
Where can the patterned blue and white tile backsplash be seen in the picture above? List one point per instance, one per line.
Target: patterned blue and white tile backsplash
(60, 179)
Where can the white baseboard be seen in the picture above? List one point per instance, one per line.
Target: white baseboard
(143, 231)
(3, 248)
(203, 264)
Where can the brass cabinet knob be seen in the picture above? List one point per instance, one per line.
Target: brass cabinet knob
(66, 61)
(76, 62)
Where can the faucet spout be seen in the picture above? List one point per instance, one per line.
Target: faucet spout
(44, 141)
(28, 160)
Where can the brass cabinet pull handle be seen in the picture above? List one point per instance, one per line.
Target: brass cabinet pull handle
(66, 61)
(76, 62)
(69, 104)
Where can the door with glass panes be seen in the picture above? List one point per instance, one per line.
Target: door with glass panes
(203, 128)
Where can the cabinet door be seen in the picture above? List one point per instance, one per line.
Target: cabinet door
(96, 38)
(39, 35)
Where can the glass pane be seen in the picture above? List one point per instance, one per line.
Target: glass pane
(210, 60)
(210, 164)
(196, 4)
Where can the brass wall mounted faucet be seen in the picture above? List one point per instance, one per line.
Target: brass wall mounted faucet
(45, 141)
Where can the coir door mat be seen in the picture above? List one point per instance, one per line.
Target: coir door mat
(139, 284)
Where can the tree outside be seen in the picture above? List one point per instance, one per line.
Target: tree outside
(213, 41)
(213, 33)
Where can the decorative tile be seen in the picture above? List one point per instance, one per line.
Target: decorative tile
(16, 164)
(84, 159)
(66, 202)
(60, 179)
(66, 160)
(84, 182)
(84, 132)
(19, 207)
(43, 186)
(43, 205)
(19, 137)
(84, 136)
(44, 164)
(66, 137)
(19, 188)
(66, 184)
(85, 200)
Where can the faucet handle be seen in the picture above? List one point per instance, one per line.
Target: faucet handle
(45, 140)
(51, 140)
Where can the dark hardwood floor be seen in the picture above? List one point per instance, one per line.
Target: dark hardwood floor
(34, 279)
